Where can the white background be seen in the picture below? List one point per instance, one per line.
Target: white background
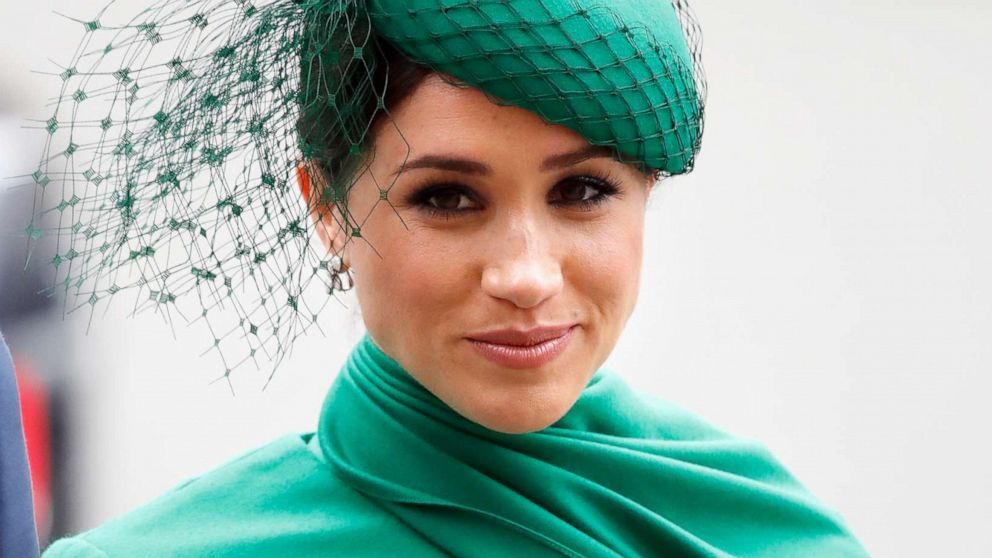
(820, 282)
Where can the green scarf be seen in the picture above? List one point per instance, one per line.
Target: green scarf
(393, 471)
(619, 475)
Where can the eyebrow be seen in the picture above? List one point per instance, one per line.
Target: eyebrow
(575, 157)
(470, 166)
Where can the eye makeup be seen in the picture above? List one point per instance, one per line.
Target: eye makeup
(448, 198)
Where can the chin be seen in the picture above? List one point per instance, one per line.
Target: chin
(518, 427)
(532, 401)
(518, 417)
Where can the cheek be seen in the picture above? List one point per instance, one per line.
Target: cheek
(402, 277)
(606, 268)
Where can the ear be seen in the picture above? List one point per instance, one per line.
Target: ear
(325, 216)
(651, 180)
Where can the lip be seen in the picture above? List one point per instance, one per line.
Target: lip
(514, 348)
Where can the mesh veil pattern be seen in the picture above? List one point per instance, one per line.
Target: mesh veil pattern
(168, 180)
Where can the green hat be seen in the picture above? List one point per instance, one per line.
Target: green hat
(171, 161)
(618, 72)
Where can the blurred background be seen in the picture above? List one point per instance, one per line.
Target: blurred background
(820, 282)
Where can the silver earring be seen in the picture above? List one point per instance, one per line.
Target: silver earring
(341, 281)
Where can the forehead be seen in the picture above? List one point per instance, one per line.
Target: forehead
(441, 116)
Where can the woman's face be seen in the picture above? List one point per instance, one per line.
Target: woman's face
(506, 261)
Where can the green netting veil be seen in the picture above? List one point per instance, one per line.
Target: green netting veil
(172, 152)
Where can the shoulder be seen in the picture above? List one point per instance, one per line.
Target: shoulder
(278, 500)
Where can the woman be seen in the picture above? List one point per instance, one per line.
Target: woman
(480, 171)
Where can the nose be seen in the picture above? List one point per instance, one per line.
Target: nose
(522, 270)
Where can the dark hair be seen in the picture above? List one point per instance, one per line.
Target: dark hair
(349, 82)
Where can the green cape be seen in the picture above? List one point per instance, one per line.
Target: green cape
(393, 471)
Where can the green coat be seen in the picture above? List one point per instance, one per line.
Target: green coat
(393, 471)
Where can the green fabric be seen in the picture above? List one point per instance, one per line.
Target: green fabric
(618, 72)
(280, 500)
(393, 471)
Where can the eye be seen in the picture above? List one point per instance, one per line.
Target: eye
(583, 191)
(444, 199)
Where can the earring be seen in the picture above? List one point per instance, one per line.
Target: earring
(341, 281)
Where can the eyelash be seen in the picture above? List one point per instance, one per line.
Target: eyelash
(606, 185)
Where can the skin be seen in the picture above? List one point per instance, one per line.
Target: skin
(519, 252)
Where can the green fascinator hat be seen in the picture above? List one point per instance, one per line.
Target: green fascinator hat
(619, 72)
(169, 176)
